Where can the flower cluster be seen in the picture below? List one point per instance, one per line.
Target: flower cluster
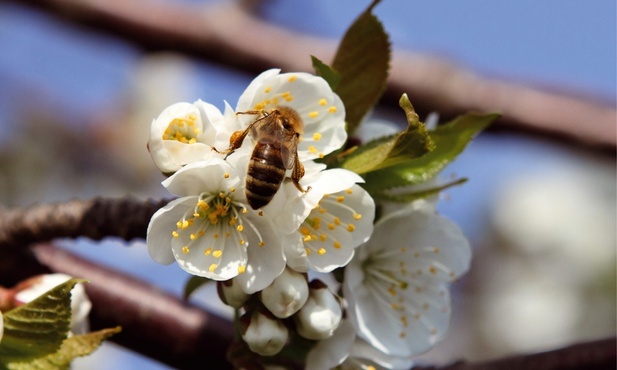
(212, 230)
(258, 213)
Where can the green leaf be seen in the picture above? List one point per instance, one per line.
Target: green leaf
(363, 61)
(38, 328)
(193, 284)
(73, 347)
(331, 76)
(418, 193)
(450, 140)
(389, 151)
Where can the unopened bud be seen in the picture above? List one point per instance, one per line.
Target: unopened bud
(321, 314)
(264, 335)
(286, 295)
(231, 294)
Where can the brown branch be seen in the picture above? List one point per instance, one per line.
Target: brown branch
(228, 34)
(126, 218)
(597, 355)
(154, 323)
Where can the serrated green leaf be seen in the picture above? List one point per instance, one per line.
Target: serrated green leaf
(38, 328)
(194, 283)
(389, 151)
(71, 348)
(450, 140)
(331, 76)
(363, 61)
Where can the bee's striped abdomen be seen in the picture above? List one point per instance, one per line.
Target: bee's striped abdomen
(265, 174)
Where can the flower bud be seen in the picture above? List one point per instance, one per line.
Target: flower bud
(264, 335)
(231, 294)
(321, 314)
(30, 289)
(286, 295)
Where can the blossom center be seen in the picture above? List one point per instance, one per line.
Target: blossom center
(184, 130)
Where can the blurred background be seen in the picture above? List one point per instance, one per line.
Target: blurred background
(76, 102)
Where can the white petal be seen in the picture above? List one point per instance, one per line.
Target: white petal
(320, 109)
(295, 254)
(289, 207)
(265, 263)
(212, 176)
(331, 352)
(162, 224)
(343, 221)
(248, 96)
(363, 350)
(214, 257)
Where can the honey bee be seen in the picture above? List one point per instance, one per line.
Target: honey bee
(276, 133)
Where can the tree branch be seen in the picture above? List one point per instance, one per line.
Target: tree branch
(228, 34)
(597, 355)
(126, 218)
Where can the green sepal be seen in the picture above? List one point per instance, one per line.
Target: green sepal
(392, 150)
(71, 348)
(450, 140)
(363, 62)
(194, 283)
(39, 327)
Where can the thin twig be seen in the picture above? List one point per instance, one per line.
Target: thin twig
(228, 34)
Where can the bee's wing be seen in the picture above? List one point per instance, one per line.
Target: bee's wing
(290, 150)
(267, 130)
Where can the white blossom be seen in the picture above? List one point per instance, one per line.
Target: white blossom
(320, 109)
(186, 132)
(211, 231)
(334, 228)
(396, 285)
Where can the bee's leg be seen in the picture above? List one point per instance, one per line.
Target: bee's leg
(235, 141)
(297, 173)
